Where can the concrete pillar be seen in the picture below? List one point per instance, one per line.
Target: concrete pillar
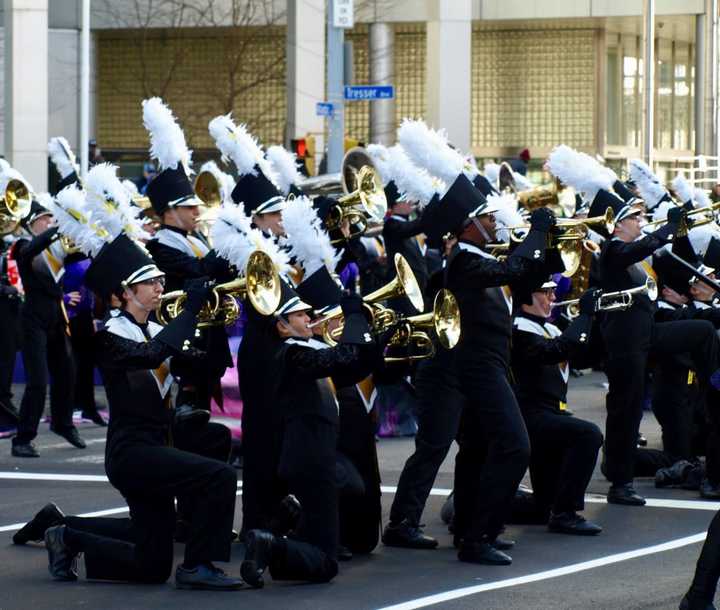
(26, 88)
(383, 126)
(700, 53)
(448, 77)
(305, 70)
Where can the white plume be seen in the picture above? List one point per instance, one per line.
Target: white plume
(700, 238)
(381, 160)
(507, 215)
(235, 240)
(167, 140)
(702, 199)
(109, 203)
(12, 174)
(226, 181)
(284, 165)
(491, 171)
(661, 211)
(307, 239)
(130, 187)
(683, 188)
(412, 181)
(580, 171)
(430, 150)
(237, 144)
(74, 220)
(62, 157)
(522, 182)
(651, 190)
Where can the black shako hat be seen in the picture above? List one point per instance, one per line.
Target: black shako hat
(36, 211)
(290, 301)
(171, 188)
(320, 290)
(604, 200)
(712, 254)
(392, 194)
(257, 194)
(119, 263)
(71, 178)
(482, 184)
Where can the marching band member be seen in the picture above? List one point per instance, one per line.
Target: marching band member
(182, 253)
(564, 448)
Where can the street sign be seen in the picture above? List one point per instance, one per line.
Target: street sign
(370, 93)
(324, 109)
(343, 14)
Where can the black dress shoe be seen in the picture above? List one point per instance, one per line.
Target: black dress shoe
(96, 418)
(62, 560)
(344, 553)
(24, 450)
(709, 491)
(502, 544)
(484, 553)
(71, 436)
(48, 516)
(407, 535)
(287, 516)
(686, 604)
(205, 577)
(572, 523)
(641, 440)
(625, 494)
(187, 415)
(257, 557)
(673, 475)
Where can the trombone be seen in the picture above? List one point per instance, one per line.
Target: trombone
(404, 284)
(704, 210)
(261, 285)
(613, 301)
(413, 333)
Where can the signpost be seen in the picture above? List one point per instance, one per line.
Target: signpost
(325, 109)
(359, 93)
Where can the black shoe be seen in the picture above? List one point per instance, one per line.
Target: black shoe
(48, 516)
(625, 494)
(673, 475)
(572, 523)
(62, 561)
(257, 557)
(206, 578)
(96, 418)
(407, 535)
(709, 491)
(502, 544)
(344, 553)
(287, 516)
(71, 436)
(187, 415)
(447, 512)
(24, 450)
(685, 604)
(641, 440)
(483, 552)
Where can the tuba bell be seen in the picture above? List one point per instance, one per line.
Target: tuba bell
(260, 284)
(14, 205)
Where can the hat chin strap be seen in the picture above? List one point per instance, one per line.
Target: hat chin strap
(135, 301)
(483, 231)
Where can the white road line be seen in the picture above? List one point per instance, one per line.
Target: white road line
(90, 441)
(98, 513)
(430, 600)
(43, 476)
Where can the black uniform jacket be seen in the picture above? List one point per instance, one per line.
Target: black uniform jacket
(43, 292)
(540, 359)
(399, 235)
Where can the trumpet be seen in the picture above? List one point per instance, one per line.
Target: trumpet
(413, 333)
(708, 209)
(580, 225)
(364, 199)
(404, 284)
(261, 285)
(14, 205)
(614, 301)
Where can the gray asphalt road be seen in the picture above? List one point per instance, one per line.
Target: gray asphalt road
(643, 559)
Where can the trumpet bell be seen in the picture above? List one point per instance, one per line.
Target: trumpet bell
(263, 283)
(403, 284)
(446, 319)
(14, 206)
(207, 189)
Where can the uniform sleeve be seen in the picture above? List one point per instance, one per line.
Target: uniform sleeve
(26, 250)
(175, 262)
(345, 363)
(620, 255)
(532, 349)
(395, 229)
(486, 272)
(117, 351)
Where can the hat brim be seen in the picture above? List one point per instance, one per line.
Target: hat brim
(484, 210)
(627, 212)
(294, 305)
(186, 202)
(143, 274)
(273, 205)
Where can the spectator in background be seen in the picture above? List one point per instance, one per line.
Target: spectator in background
(94, 153)
(149, 172)
(520, 165)
(715, 193)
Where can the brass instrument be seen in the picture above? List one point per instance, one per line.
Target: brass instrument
(208, 190)
(261, 285)
(404, 284)
(14, 205)
(708, 209)
(614, 301)
(578, 224)
(542, 196)
(364, 199)
(413, 333)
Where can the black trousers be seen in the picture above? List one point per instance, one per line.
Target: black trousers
(307, 465)
(9, 345)
(140, 548)
(563, 454)
(81, 339)
(494, 450)
(439, 407)
(707, 571)
(628, 351)
(47, 357)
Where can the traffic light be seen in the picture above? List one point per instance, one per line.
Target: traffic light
(304, 149)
